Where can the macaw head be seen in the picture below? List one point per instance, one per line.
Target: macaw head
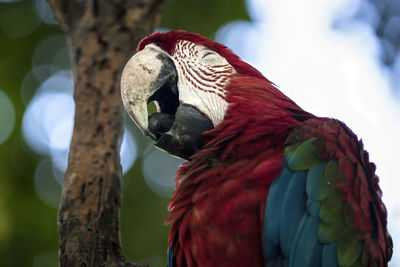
(188, 77)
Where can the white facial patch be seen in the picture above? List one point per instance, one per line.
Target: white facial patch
(202, 77)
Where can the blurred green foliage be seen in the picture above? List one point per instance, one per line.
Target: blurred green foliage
(203, 17)
(28, 225)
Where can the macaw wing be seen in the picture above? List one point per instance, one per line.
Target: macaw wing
(325, 207)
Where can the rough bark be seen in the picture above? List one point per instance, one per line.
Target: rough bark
(103, 34)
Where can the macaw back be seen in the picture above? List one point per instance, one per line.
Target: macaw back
(325, 208)
(280, 188)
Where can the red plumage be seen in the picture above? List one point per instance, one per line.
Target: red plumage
(217, 210)
(229, 179)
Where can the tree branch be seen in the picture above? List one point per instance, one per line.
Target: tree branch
(104, 34)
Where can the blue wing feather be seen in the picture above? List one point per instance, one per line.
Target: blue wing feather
(313, 207)
(294, 208)
(297, 237)
(170, 255)
(292, 220)
(274, 208)
(329, 258)
(308, 240)
(314, 176)
(278, 262)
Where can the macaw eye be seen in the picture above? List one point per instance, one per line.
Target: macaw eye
(208, 54)
(212, 58)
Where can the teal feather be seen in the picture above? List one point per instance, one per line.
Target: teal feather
(329, 255)
(294, 207)
(170, 255)
(273, 212)
(313, 207)
(297, 238)
(307, 244)
(314, 177)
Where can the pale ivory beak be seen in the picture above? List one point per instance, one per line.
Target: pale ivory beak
(140, 79)
(176, 127)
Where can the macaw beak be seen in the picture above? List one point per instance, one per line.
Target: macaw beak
(144, 74)
(150, 75)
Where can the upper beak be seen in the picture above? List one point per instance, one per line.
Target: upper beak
(145, 73)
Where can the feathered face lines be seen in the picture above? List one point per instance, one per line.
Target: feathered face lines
(168, 40)
(204, 69)
(205, 92)
(203, 75)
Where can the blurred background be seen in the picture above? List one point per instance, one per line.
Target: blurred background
(335, 58)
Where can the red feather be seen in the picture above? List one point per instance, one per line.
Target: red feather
(218, 207)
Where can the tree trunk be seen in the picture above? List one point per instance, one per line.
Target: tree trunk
(104, 34)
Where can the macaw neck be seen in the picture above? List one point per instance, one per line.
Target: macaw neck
(255, 127)
(258, 118)
(245, 151)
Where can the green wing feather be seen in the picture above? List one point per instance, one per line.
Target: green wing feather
(337, 168)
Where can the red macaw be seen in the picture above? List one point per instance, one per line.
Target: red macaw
(265, 183)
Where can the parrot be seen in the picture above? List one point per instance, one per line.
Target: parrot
(264, 182)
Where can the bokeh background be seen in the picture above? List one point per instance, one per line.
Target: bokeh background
(335, 58)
